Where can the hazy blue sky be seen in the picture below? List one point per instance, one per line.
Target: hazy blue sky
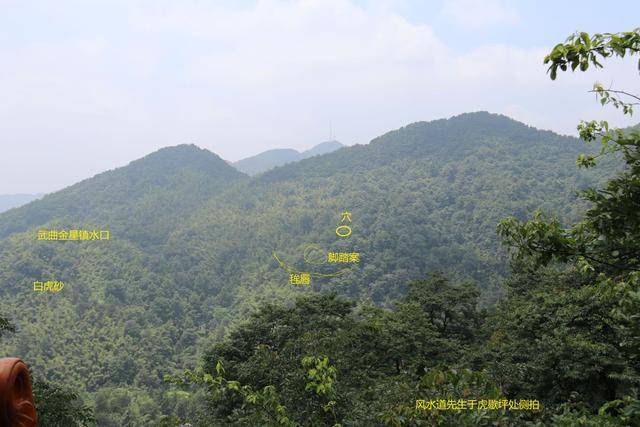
(87, 86)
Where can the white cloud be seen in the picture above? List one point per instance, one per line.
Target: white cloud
(477, 14)
(239, 80)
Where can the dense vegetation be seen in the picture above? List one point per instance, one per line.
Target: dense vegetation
(177, 271)
(567, 331)
(191, 254)
(55, 405)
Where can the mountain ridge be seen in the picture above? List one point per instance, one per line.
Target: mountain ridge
(192, 241)
(280, 156)
(178, 167)
(420, 139)
(11, 201)
(395, 142)
(175, 158)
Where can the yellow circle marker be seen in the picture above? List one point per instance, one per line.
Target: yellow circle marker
(314, 254)
(346, 231)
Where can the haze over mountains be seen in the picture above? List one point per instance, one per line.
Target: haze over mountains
(272, 158)
(10, 201)
(251, 165)
(193, 241)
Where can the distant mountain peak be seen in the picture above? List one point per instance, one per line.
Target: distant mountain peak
(170, 181)
(322, 148)
(280, 156)
(181, 152)
(487, 117)
(179, 158)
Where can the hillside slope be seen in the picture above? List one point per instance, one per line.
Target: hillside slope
(142, 201)
(424, 197)
(193, 241)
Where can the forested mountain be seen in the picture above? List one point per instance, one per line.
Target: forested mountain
(142, 201)
(192, 244)
(271, 158)
(10, 201)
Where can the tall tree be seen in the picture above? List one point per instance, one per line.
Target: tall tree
(573, 312)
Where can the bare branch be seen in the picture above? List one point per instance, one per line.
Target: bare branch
(619, 92)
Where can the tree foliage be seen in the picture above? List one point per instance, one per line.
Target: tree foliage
(583, 282)
(191, 258)
(566, 331)
(60, 407)
(192, 241)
